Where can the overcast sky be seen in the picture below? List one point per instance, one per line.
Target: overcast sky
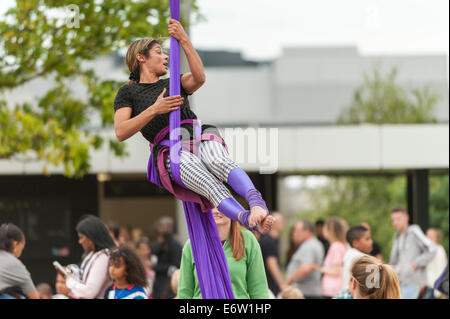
(261, 28)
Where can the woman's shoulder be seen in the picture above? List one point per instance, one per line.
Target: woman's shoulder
(249, 237)
(128, 87)
(9, 261)
(13, 266)
(101, 255)
(338, 247)
(124, 91)
(337, 244)
(187, 246)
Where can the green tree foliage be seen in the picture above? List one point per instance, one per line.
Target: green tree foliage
(380, 100)
(43, 39)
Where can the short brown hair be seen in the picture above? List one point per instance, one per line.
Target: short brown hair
(307, 225)
(399, 209)
(141, 46)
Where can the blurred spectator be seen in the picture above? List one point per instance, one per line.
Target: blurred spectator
(168, 251)
(15, 280)
(245, 263)
(45, 291)
(62, 292)
(145, 252)
(124, 235)
(441, 283)
(114, 231)
(292, 245)
(270, 251)
(93, 279)
(300, 270)
(435, 266)
(292, 293)
(128, 273)
(319, 234)
(136, 234)
(370, 279)
(376, 250)
(360, 242)
(410, 254)
(174, 282)
(334, 231)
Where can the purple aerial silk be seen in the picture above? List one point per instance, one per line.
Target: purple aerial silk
(209, 257)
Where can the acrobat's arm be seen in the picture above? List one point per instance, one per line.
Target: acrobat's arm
(193, 80)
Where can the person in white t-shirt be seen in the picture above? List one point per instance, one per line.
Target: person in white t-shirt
(360, 241)
(436, 265)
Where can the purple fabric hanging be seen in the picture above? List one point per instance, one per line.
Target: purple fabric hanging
(174, 89)
(210, 261)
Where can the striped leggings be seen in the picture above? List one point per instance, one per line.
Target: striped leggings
(202, 175)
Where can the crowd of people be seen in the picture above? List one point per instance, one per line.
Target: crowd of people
(325, 259)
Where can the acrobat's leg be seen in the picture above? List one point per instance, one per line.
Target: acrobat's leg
(197, 178)
(217, 160)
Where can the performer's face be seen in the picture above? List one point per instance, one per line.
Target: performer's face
(157, 61)
(220, 218)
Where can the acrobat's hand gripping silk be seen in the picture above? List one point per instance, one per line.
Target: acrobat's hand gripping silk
(209, 257)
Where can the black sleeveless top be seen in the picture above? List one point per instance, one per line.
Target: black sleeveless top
(139, 96)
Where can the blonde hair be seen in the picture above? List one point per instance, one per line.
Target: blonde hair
(337, 229)
(374, 279)
(292, 293)
(141, 46)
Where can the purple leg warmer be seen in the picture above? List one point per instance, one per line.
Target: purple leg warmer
(231, 208)
(242, 184)
(253, 198)
(239, 181)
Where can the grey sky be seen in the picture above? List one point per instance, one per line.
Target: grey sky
(261, 28)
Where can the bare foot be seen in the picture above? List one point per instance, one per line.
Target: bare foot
(266, 224)
(257, 215)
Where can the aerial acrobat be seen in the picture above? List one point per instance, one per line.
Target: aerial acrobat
(192, 166)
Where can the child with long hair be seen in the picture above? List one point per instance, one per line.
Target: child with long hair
(370, 279)
(144, 250)
(128, 273)
(332, 281)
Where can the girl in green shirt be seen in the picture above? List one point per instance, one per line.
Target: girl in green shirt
(245, 262)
